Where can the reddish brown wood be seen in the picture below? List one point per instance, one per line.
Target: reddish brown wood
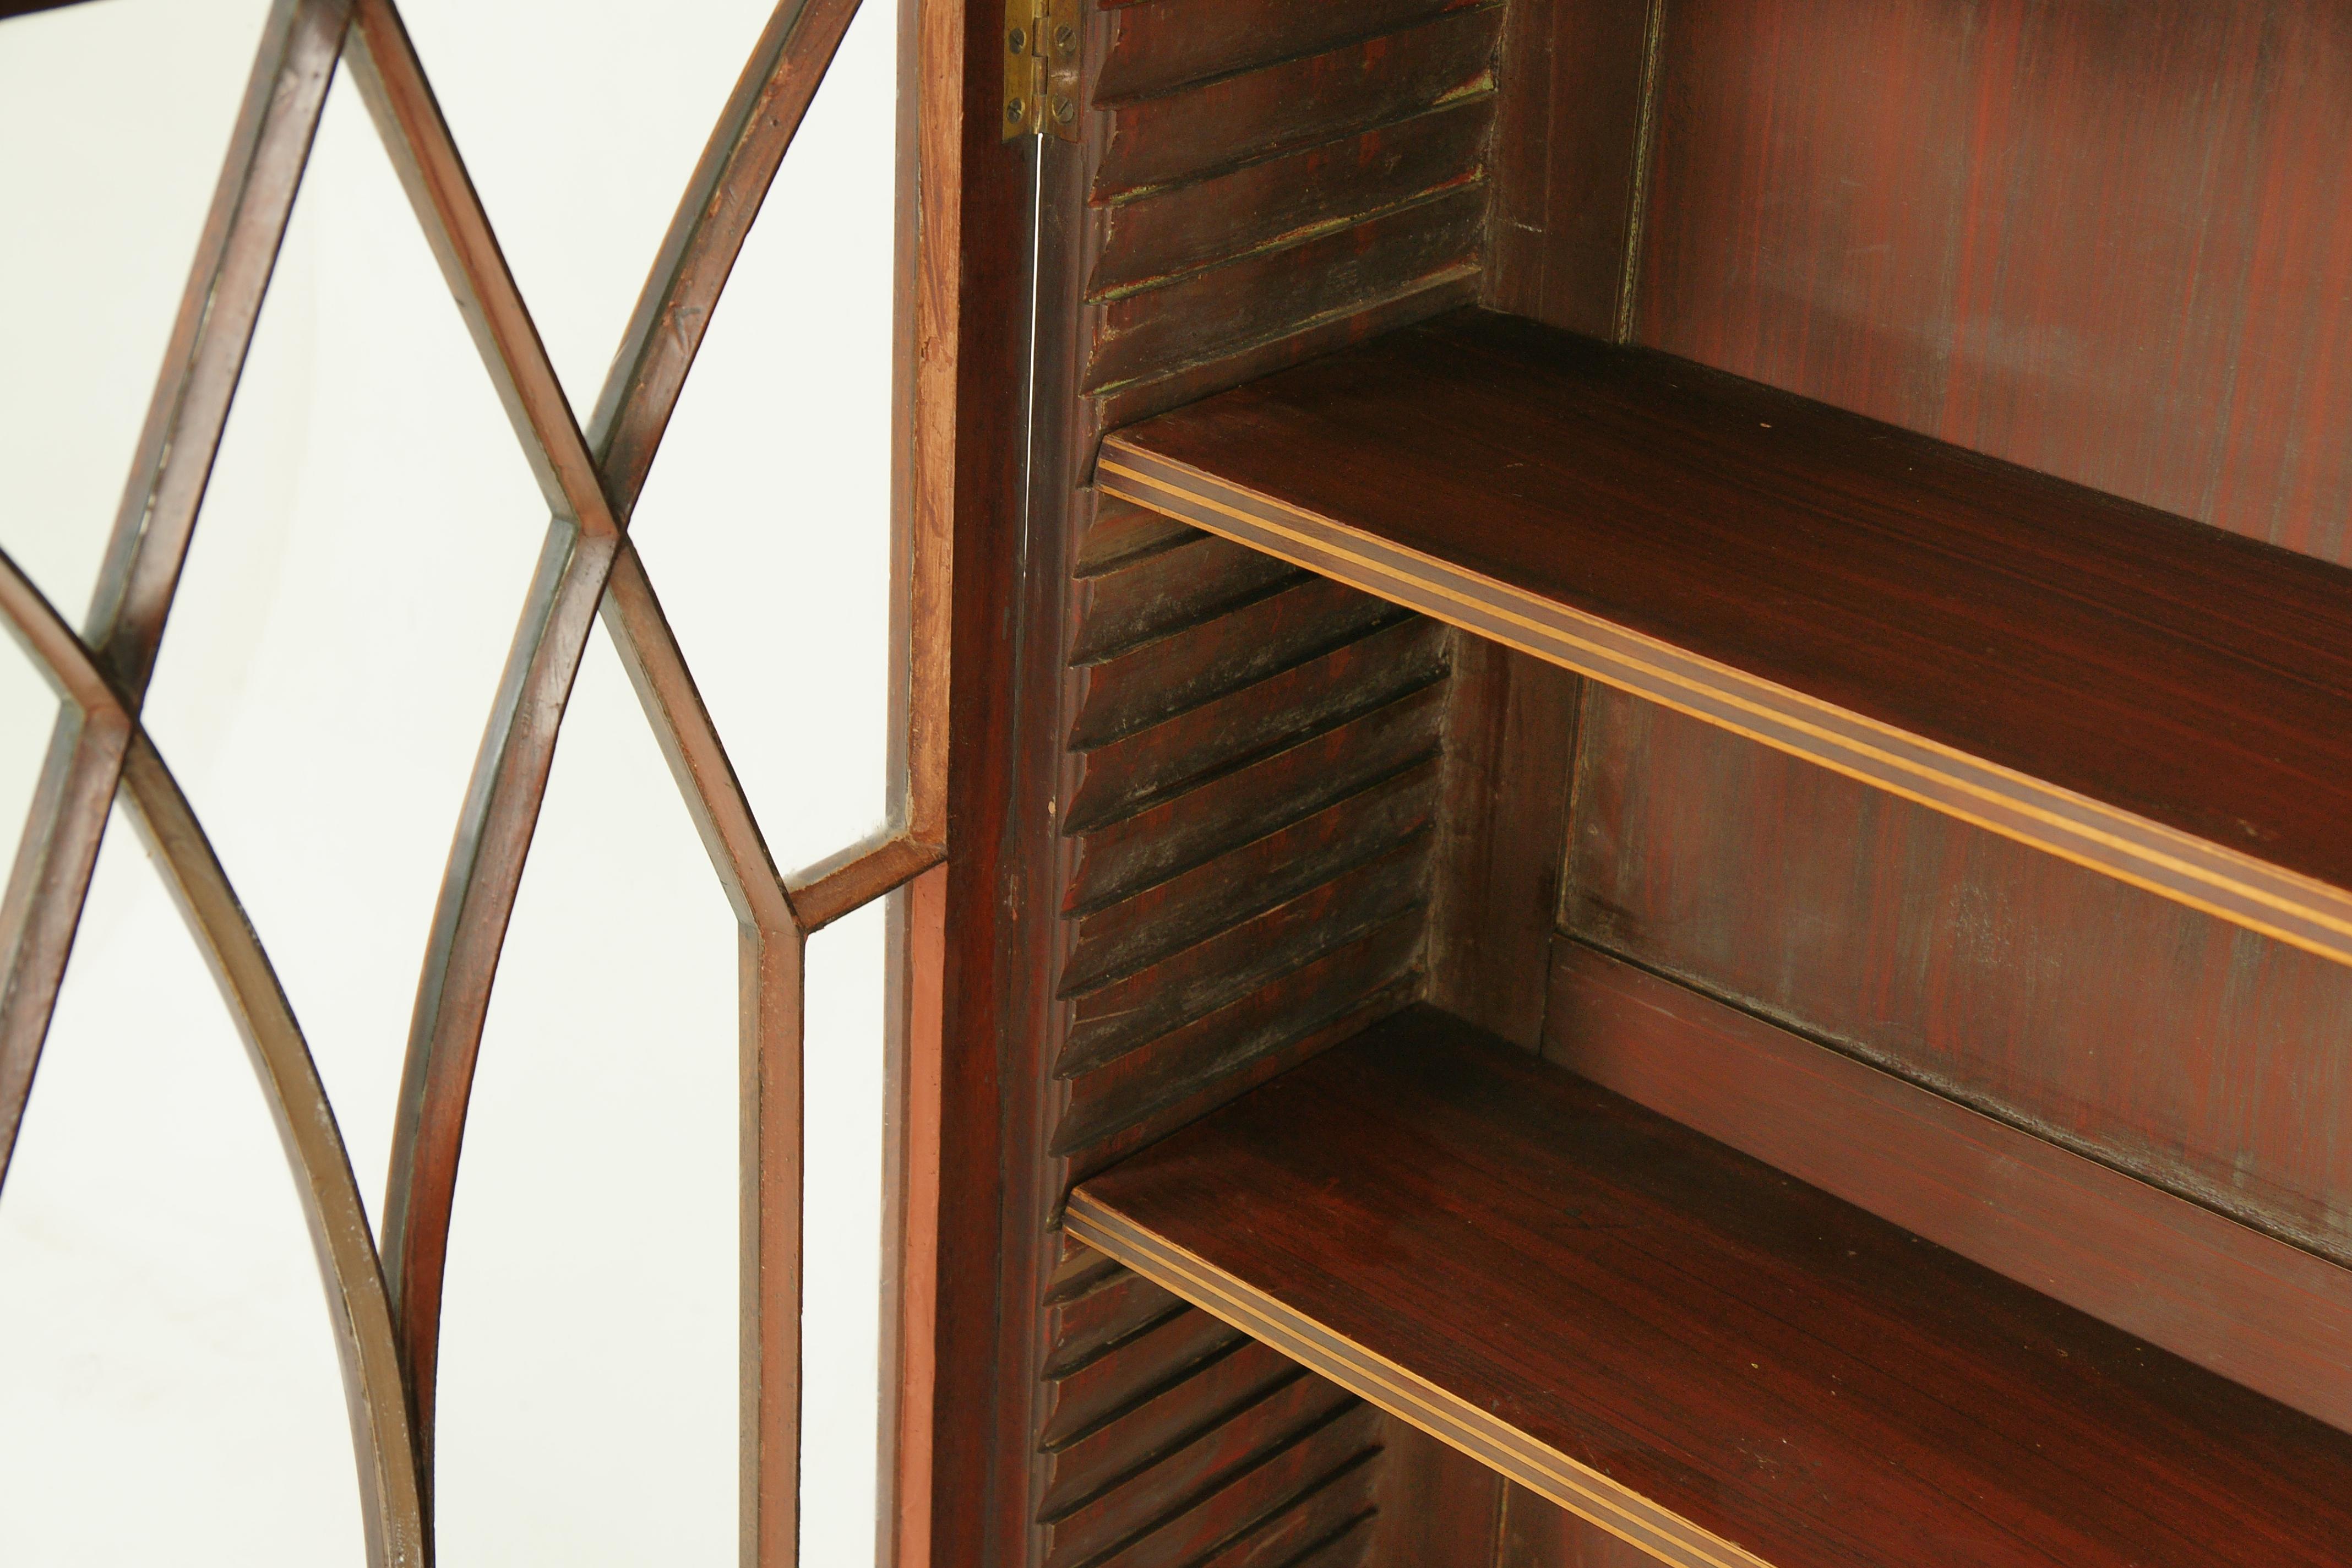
(1115, 1017)
(1334, 1523)
(911, 1146)
(1289, 1501)
(2207, 1288)
(1155, 140)
(1081, 1397)
(1535, 1533)
(1438, 1506)
(1148, 684)
(1441, 1509)
(1215, 1393)
(1194, 905)
(925, 345)
(1205, 1463)
(1570, 124)
(1344, 1545)
(2105, 241)
(1381, 992)
(1191, 751)
(1223, 310)
(1157, 45)
(962, 274)
(1227, 813)
(1283, 200)
(856, 874)
(1200, 578)
(1171, 1066)
(1309, 337)
(2166, 702)
(1393, 661)
(1244, 198)
(1530, 1533)
(965, 1507)
(1101, 1313)
(1119, 532)
(2200, 1058)
(1510, 744)
(1608, 1305)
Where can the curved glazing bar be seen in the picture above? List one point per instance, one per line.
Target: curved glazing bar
(510, 777)
(485, 866)
(386, 1298)
(58, 851)
(391, 81)
(360, 1307)
(738, 164)
(348, 1265)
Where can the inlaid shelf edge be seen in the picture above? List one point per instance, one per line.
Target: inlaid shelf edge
(1673, 1341)
(1356, 466)
(1451, 1420)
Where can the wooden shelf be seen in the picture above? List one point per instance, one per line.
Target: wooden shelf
(2162, 702)
(1687, 1347)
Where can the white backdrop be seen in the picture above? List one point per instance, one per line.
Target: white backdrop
(168, 1389)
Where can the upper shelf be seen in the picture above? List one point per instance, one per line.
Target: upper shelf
(1681, 1344)
(2154, 699)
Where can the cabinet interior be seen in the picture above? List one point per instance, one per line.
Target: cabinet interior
(2054, 298)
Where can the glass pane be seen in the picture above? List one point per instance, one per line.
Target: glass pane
(765, 523)
(581, 122)
(169, 1387)
(354, 585)
(29, 713)
(588, 1402)
(114, 121)
(842, 1311)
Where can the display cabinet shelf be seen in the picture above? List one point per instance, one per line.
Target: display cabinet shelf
(2157, 700)
(1687, 1347)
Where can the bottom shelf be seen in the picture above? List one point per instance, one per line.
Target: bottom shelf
(1698, 1354)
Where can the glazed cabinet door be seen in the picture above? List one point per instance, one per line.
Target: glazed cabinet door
(550, 764)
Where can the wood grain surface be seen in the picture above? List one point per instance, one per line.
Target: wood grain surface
(2108, 241)
(1718, 1361)
(2222, 1294)
(2200, 1058)
(1571, 165)
(1510, 745)
(2165, 703)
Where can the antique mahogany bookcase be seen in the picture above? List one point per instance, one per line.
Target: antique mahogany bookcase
(1625, 825)
(1676, 871)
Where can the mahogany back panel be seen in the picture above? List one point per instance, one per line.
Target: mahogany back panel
(2111, 242)
(2195, 1054)
(2107, 240)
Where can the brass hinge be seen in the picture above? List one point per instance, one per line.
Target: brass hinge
(1041, 69)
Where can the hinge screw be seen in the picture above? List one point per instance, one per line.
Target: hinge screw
(1019, 41)
(1066, 38)
(1064, 110)
(1015, 110)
